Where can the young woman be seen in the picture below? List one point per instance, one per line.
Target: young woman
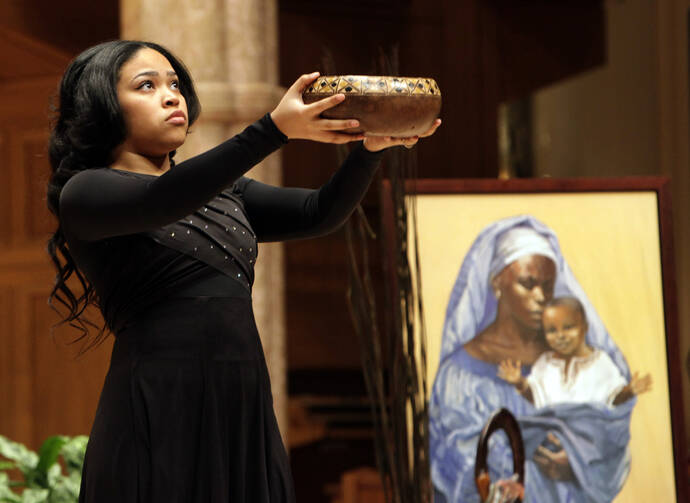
(167, 254)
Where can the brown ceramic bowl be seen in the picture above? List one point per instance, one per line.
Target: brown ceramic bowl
(384, 106)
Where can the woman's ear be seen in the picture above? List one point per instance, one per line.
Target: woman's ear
(495, 286)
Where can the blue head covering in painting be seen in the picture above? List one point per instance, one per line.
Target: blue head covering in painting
(466, 390)
(472, 305)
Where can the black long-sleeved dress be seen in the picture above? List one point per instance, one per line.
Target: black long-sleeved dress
(186, 412)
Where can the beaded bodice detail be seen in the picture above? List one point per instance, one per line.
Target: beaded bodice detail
(218, 234)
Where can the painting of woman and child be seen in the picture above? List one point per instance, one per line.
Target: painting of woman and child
(551, 306)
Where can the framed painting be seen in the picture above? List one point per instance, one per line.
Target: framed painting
(553, 299)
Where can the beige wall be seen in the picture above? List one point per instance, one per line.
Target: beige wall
(629, 117)
(604, 122)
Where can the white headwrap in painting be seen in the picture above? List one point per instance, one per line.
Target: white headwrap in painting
(516, 243)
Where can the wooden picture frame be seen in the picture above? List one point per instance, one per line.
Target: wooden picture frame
(615, 236)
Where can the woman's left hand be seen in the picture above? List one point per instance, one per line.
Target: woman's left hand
(554, 464)
(376, 143)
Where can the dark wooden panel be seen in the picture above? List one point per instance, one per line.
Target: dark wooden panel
(39, 222)
(23, 57)
(320, 331)
(540, 42)
(68, 26)
(536, 185)
(6, 381)
(5, 189)
(26, 104)
(362, 7)
(420, 34)
(467, 136)
(318, 466)
(66, 387)
(23, 152)
(21, 427)
(43, 389)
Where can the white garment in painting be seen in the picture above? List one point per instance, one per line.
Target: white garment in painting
(593, 378)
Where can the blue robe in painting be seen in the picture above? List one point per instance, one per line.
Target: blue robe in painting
(594, 436)
(467, 391)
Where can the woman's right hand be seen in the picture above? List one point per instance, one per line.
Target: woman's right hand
(299, 121)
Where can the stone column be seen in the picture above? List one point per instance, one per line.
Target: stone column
(230, 48)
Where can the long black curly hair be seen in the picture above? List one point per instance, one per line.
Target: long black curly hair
(88, 126)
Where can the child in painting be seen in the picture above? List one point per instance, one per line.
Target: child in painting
(573, 372)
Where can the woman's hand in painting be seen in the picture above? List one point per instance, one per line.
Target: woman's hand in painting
(553, 460)
(299, 121)
(376, 143)
(510, 371)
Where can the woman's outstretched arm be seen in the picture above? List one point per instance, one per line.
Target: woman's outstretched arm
(103, 202)
(280, 213)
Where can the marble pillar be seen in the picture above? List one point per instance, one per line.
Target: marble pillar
(230, 48)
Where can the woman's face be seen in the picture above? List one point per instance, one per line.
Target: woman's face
(155, 112)
(524, 286)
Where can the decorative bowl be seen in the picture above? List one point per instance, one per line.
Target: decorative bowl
(384, 106)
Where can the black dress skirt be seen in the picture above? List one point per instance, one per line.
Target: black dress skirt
(186, 411)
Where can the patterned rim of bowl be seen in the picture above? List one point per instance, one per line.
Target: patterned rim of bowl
(373, 85)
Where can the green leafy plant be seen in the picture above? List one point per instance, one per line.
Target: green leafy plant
(44, 478)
